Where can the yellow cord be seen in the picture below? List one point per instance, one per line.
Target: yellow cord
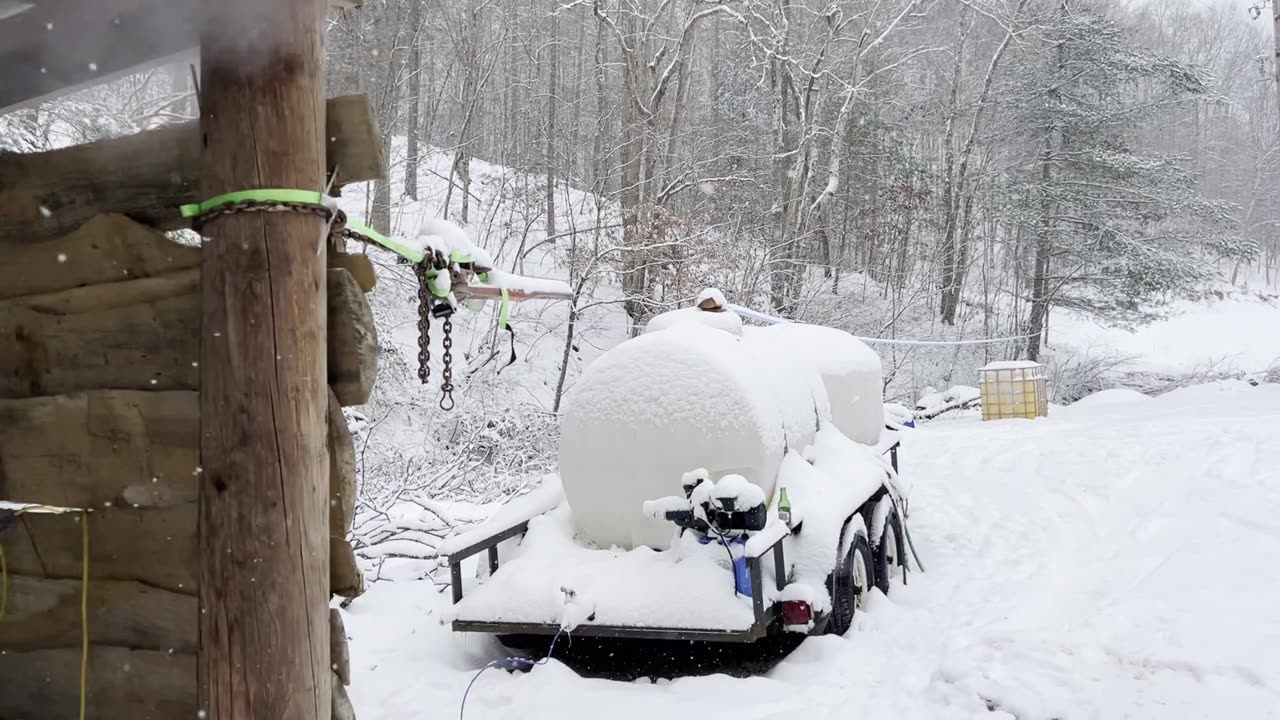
(84, 613)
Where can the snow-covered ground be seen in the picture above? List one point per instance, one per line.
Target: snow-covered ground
(1239, 332)
(1116, 560)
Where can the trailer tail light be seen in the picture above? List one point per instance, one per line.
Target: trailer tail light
(797, 615)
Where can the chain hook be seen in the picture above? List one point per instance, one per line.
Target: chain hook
(446, 385)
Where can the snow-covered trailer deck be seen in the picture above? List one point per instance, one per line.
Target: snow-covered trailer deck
(747, 626)
(636, 594)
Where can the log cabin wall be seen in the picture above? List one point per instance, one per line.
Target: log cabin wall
(99, 409)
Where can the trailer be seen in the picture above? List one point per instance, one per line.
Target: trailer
(718, 483)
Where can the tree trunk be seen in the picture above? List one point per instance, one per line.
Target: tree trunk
(600, 165)
(471, 96)
(950, 288)
(415, 103)
(634, 213)
(955, 250)
(564, 358)
(549, 154)
(1044, 239)
(264, 510)
(1275, 31)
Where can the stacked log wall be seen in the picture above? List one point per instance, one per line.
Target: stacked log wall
(99, 409)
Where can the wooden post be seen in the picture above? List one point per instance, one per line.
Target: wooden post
(264, 485)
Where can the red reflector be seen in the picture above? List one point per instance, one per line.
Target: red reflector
(796, 612)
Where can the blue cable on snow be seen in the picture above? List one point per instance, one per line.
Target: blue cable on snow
(508, 663)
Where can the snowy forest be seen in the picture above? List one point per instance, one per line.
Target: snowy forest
(914, 169)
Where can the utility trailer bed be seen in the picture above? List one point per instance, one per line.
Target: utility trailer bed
(765, 562)
(642, 593)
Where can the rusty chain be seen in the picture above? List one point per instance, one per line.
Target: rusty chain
(424, 324)
(433, 260)
(240, 206)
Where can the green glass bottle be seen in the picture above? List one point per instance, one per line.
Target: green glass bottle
(784, 507)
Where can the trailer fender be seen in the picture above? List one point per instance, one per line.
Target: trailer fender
(851, 527)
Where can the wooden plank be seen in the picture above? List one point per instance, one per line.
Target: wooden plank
(348, 117)
(153, 345)
(147, 176)
(44, 614)
(94, 298)
(129, 448)
(360, 267)
(342, 708)
(102, 448)
(339, 653)
(353, 341)
(342, 471)
(264, 504)
(345, 578)
(122, 683)
(107, 248)
(141, 335)
(155, 546)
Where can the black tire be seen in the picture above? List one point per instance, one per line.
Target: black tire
(846, 595)
(889, 553)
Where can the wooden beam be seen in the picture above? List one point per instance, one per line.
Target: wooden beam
(342, 708)
(353, 341)
(264, 508)
(345, 578)
(106, 448)
(339, 653)
(155, 546)
(123, 683)
(130, 449)
(106, 249)
(145, 335)
(44, 614)
(147, 176)
(342, 471)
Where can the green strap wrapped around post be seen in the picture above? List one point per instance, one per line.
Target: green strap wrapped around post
(317, 199)
(305, 197)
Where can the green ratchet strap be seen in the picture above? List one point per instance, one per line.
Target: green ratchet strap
(309, 197)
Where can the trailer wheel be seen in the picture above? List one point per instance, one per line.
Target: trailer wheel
(849, 584)
(890, 553)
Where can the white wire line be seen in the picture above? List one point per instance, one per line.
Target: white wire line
(760, 317)
(750, 314)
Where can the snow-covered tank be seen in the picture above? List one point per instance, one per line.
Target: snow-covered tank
(707, 395)
(851, 373)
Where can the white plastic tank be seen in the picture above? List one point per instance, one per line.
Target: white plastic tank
(667, 402)
(851, 373)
